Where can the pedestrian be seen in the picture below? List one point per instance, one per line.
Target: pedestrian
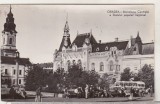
(131, 94)
(38, 97)
(86, 91)
(151, 91)
(66, 92)
(12, 92)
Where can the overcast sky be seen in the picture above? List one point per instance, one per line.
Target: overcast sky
(40, 27)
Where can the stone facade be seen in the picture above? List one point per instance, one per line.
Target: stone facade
(110, 57)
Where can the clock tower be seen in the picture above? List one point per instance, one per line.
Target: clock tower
(9, 37)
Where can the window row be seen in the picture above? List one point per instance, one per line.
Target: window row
(14, 72)
(10, 40)
(74, 62)
(19, 81)
(111, 66)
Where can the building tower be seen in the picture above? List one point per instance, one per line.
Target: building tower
(138, 41)
(66, 38)
(9, 37)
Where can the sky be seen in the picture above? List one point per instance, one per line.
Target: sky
(40, 27)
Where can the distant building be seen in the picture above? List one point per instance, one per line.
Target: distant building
(13, 67)
(110, 57)
(48, 67)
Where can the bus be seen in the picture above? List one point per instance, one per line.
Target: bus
(127, 85)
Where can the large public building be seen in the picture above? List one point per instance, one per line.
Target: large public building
(13, 67)
(109, 57)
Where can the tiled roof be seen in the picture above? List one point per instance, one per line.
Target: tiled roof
(80, 39)
(12, 60)
(106, 46)
(62, 43)
(148, 48)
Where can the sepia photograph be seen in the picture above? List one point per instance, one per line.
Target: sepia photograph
(77, 53)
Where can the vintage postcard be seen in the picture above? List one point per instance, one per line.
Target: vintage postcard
(78, 53)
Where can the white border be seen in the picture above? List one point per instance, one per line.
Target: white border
(157, 23)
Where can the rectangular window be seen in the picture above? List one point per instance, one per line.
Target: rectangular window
(14, 81)
(118, 67)
(19, 81)
(20, 72)
(14, 72)
(6, 71)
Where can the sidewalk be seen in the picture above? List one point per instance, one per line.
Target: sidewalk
(44, 94)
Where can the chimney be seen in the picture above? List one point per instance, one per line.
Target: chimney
(100, 41)
(116, 39)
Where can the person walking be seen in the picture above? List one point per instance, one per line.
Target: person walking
(151, 91)
(38, 97)
(86, 91)
(131, 94)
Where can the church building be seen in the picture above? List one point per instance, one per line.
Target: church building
(109, 57)
(13, 67)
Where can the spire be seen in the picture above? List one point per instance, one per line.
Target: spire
(139, 42)
(138, 39)
(66, 27)
(9, 26)
(10, 8)
(138, 34)
(91, 31)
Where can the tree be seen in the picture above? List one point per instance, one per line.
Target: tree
(126, 75)
(146, 74)
(104, 81)
(78, 77)
(36, 77)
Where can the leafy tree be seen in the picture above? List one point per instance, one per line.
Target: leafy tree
(35, 78)
(146, 74)
(104, 81)
(126, 75)
(76, 76)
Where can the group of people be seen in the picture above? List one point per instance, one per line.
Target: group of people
(17, 92)
(95, 92)
(86, 92)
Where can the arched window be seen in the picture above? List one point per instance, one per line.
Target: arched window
(10, 40)
(111, 65)
(93, 66)
(101, 66)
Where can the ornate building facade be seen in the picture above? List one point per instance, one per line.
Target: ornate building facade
(13, 68)
(110, 57)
